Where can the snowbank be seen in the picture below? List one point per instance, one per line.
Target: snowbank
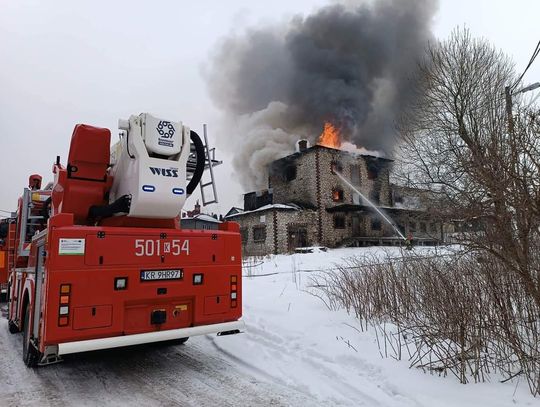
(294, 339)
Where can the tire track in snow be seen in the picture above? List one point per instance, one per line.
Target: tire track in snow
(194, 374)
(377, 390)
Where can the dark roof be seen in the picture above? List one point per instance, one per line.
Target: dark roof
(234, 209)
(297, 154)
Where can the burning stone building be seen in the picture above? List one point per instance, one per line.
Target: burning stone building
(306, 204)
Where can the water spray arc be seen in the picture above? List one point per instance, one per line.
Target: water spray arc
(385, 218)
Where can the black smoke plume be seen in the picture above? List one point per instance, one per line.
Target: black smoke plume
(349, 64)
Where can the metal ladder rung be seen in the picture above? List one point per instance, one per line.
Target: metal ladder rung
(209, 163)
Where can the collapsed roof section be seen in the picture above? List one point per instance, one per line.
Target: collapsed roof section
(279, 207)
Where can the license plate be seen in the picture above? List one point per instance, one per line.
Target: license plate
(151, 275)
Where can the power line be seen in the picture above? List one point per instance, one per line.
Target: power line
(533, 57)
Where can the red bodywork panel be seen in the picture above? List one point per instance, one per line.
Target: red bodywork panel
(89, 152)
(85, 181)
(3, 266)
(97, 309)
(7, 226)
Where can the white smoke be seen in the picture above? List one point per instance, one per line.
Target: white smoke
(263, 141)
(351, 65)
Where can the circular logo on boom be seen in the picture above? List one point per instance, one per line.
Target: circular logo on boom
(165, 129)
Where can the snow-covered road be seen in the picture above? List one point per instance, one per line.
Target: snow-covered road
(195, 374)
(295, 352)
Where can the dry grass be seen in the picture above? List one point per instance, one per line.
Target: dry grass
(463, 315)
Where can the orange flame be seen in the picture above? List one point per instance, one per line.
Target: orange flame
(330, 136)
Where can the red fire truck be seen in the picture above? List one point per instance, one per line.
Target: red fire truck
(100, 260)
(4, 257)
(7, 253)
(3, 272)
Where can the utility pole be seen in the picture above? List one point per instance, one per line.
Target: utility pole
(508, 97)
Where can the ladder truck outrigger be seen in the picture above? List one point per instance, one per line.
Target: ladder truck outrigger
(100, 260)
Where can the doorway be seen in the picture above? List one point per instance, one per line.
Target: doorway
(296, 237)
(356, 225)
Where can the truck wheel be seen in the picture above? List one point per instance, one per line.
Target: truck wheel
(13, 328)
(30, 353)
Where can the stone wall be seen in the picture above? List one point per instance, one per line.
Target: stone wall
(248, 222)
(277, 223)
(418, 224)
(355, 169)
(302, 189)
(313, 169)
(412, 212)
(334, 236)
(289, 222)
(315, 184)
(309, 180)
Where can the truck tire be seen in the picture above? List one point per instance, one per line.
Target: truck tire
(31, 355)
(13, 328)
(181, 341)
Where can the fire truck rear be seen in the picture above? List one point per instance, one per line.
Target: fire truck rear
(100, 258)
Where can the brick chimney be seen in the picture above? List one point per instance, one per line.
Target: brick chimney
(302, 145)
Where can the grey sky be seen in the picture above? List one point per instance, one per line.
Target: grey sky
(93, 62)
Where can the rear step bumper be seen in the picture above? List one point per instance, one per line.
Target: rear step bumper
(139, 339)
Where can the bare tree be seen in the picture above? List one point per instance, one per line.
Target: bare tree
(456, 142)
(475, 312)
(450, 313)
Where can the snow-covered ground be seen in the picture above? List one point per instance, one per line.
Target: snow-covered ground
(294, 339)
(295, 352)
